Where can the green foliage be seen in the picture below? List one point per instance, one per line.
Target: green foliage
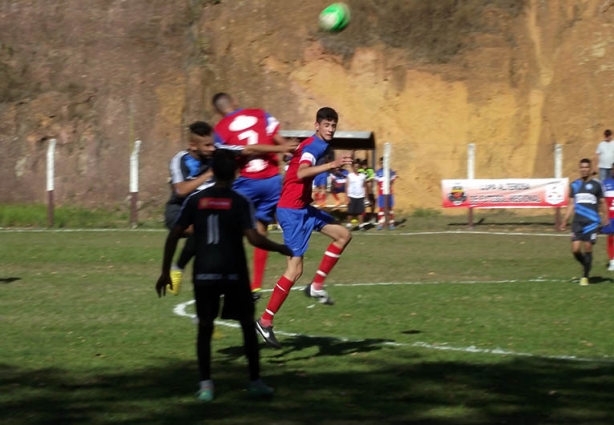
(35, 216)
(425, 212)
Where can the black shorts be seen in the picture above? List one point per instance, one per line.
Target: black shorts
(579, 233)
(356, 206)
(238, 300)
(171, 214)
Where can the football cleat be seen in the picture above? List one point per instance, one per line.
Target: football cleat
(321, 295)
(176, 278)
(205, 393)
(267, 334)
(584, 281)
(259, 389)
(256, 295)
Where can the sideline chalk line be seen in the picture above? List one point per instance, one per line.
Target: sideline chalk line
(180, 310)
(374, 233)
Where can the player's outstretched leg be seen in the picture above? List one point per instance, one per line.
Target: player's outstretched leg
(341, 238)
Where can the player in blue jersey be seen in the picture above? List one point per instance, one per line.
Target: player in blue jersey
(586, 202)
(190, 171)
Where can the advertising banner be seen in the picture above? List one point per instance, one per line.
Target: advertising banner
(505, 193)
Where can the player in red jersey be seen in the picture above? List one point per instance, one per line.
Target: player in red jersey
(298, 218)
(255, 133)
(608, 185)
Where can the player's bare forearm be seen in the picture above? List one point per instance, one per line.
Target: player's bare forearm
(170, 246)
(169, 251)
(262, 242)
(186, 187)
(307, 170)
(605, 213)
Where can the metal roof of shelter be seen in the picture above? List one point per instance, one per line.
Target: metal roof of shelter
(349, 140)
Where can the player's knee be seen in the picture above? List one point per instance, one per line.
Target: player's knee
(344, 238)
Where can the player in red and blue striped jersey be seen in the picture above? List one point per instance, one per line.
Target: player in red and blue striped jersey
(298, 218)
(256, 134)
(608, 185)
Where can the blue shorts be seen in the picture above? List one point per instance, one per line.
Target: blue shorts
(263, 193)
(320, 180)
(297, 225)
(609, 229)
(381, 201)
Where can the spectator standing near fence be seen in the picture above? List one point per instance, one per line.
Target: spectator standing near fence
(319, 189)
(586, 201)
(604, 155)
(381, 200)
(370, 173)
(356, 192)
(338, 182)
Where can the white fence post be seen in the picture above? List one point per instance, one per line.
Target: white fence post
(134, 182)
(558, 174)
(50, 180)
(470, 176)
(386, 183)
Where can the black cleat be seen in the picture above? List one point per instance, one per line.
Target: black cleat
(256, 296)
(266, 332)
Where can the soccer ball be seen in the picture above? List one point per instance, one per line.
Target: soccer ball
(335, 17)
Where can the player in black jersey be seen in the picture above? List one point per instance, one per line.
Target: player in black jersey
(586, 201)
(221, 217)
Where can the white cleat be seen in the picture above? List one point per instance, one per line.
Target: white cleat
(321, 295)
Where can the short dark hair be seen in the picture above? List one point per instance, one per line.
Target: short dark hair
(219, 99)
(607, 133)
(225, 164)
(585, 161)
(200, 128)
(328, 114)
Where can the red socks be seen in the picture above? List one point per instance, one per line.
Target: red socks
(260, 257)
(279, 295)
(331, 256)
(611, 247)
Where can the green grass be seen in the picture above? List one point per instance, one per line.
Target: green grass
(463, 329)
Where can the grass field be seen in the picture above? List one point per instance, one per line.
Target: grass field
(428, 328)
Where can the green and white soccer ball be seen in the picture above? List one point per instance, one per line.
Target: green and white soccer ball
(335, 17)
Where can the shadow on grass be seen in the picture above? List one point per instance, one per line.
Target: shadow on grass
(482, 222)
(398, 390)
(9, 279)
(600, 279)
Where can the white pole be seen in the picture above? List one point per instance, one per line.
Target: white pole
(386, 185)
(558, 174)
(50, 164)
(558, 161)
(134, 182)
(471, 161)
(470, 176)
(134, 167)
(50, 180)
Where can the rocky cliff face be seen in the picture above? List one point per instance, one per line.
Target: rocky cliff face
(515, 77)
